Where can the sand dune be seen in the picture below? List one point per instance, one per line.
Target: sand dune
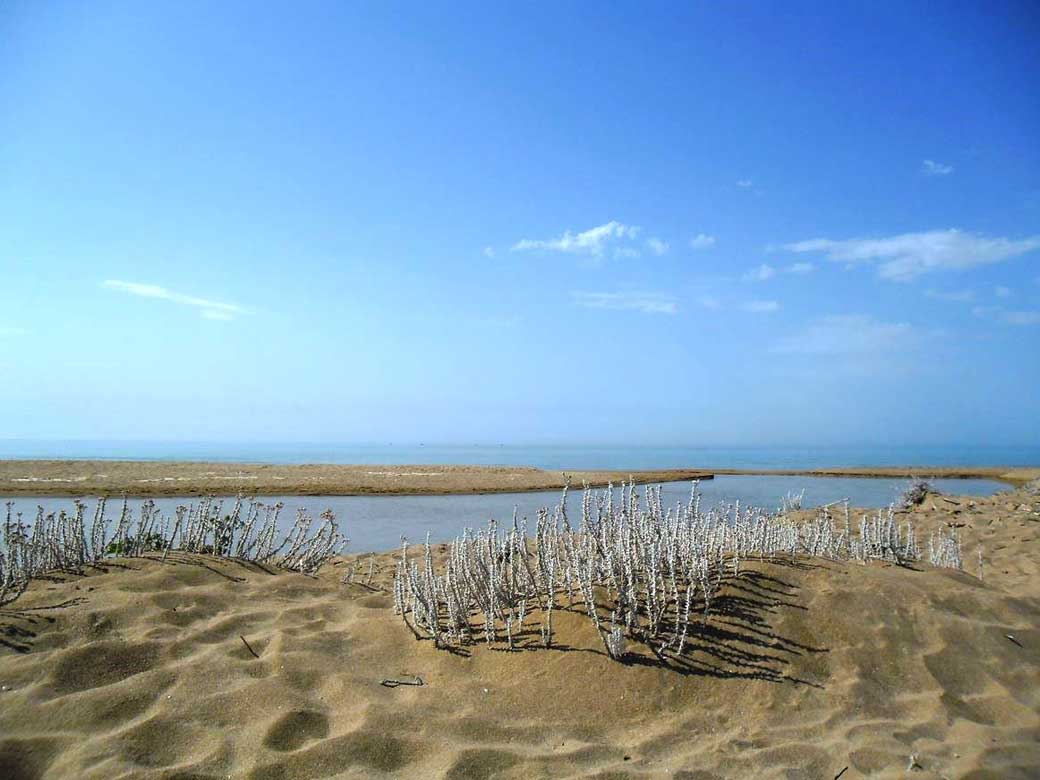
(147, 670)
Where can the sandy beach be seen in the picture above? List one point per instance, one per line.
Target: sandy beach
(197, 667)
(179, 478)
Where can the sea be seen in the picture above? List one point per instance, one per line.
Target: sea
(541, 456)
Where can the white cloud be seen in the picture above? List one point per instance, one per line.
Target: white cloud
(932, 168)
(961, 296)
(765, 271)
(489, 251)
(590, 242)
(761, 307)
(11, 331)
(1002, 292)
(626, 251)
(760, 274)
(214, 310)
(848, 334)
(647, 303)
(909, 255)
(745, 183)
(657, 246)
(702, 241)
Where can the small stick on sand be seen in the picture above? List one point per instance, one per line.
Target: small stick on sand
(1012, 638)
(388, 683)
(251, 650)
(843, 771)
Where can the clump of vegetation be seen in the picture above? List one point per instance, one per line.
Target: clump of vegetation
(640, 572)
(66, 541)
(915, 494)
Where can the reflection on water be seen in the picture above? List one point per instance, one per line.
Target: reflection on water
(378, 522)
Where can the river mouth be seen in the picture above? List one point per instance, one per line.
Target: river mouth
(377, 523)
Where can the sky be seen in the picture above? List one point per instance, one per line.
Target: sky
(709, 224)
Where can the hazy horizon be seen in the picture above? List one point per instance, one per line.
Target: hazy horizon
(569, 456)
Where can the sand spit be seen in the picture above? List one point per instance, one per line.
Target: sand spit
(178, 478)
(203, 668)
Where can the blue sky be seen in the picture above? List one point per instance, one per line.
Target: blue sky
(694, 224)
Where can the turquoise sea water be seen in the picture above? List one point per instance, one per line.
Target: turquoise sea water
(549, 457)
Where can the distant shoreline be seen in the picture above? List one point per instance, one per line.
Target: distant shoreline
(184, 478)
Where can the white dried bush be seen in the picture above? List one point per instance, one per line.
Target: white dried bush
(639, 571)
(65, 541)
(915, 494)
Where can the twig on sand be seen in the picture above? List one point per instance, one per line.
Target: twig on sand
(843, 771)
(388, 683)
(250, 649)
(1012, 638)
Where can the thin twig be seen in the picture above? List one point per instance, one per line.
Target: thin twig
(250, 649)
(843, 771)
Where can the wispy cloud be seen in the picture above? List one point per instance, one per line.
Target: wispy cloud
(1002, 292)
(12, 331)
(764, 272)
(960, 296)
(855, 334)
(745, 184)
(708, 302)
(933, 168)
(647, 303)
(760, 274)
(657, 246)
(907, 256)
(760, 307)
(210, 309)
(702, 241)
(589, 242)
(489, 252)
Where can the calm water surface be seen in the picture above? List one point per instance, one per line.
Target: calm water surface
(378, 522)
